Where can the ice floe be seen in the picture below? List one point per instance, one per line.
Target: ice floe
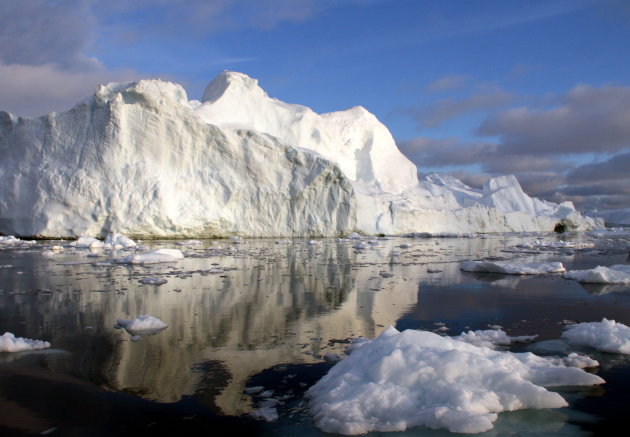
(616, 274)
(10, 343)
(414, 378)
(606, 336)
(512, 268)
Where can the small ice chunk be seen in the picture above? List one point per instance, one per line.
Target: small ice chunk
(254, 390)
(491, 338)
(152, 257)
(417, 378)
(617, 274)
(89, 242)
(189, 243)
(153, 281)
(268, 414)
(355, 236)
(606, 336)
(145, 324)
(512, 268)
(11, 343)
(119, 241)
(580, 361)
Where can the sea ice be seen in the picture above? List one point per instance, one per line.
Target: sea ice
(606, 336)
(142, 325)
(152, 257)
(119, 241)
(616, 274)
(512, 268)
(418, 378)
(11, 343)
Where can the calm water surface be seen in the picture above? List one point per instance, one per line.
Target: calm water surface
(267, 320)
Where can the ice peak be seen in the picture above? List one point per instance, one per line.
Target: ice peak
(233, 81)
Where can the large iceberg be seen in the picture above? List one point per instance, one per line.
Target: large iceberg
(140, 159)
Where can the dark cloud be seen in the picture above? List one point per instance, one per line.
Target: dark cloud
(617, 167)
(445, 152)
(589, 120)
(37, 32)
(447, 83)
(445, 109)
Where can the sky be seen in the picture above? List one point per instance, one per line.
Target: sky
(535, 88)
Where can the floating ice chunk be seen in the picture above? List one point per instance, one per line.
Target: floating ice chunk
(254, 390)
(617, 274)
(118, 240)
(10, 240)
(491, 338)
(606, 336)
(512, 268)
(268, 414)
(414, 378)
(11, 343)
(152, 257)
(580, 361)
(189, 243)
(153, 281)
(355, 236)
(145, 325)
(89, 242)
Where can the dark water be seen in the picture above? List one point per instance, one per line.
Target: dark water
(267, 320)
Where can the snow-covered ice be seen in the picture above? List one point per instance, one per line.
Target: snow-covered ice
(606, 336)
(412, 378)
(512, 268)
(140, 159)
(152, 257)
(142, 325)
(615, 274)
(10, 343)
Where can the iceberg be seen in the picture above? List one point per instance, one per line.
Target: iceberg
(417, 378)
(139, 159)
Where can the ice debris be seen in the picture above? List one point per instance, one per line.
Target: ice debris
(10, 343)
(512, 268)
(605, 336)
(417, 378)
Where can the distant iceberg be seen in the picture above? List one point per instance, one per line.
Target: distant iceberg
(140, 159)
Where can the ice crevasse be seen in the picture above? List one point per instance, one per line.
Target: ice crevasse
(140, 159)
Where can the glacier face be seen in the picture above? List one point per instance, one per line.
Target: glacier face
(139, 159)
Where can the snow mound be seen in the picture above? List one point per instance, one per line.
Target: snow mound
(512, 268)
(606, 336)
(11, 343)
(152, 257)
(142, 325)
(616, 274)
(139, 159)
(417, 378)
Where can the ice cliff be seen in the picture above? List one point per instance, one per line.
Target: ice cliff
(138, 158)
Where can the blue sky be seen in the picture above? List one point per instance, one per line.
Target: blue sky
(539, 89)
